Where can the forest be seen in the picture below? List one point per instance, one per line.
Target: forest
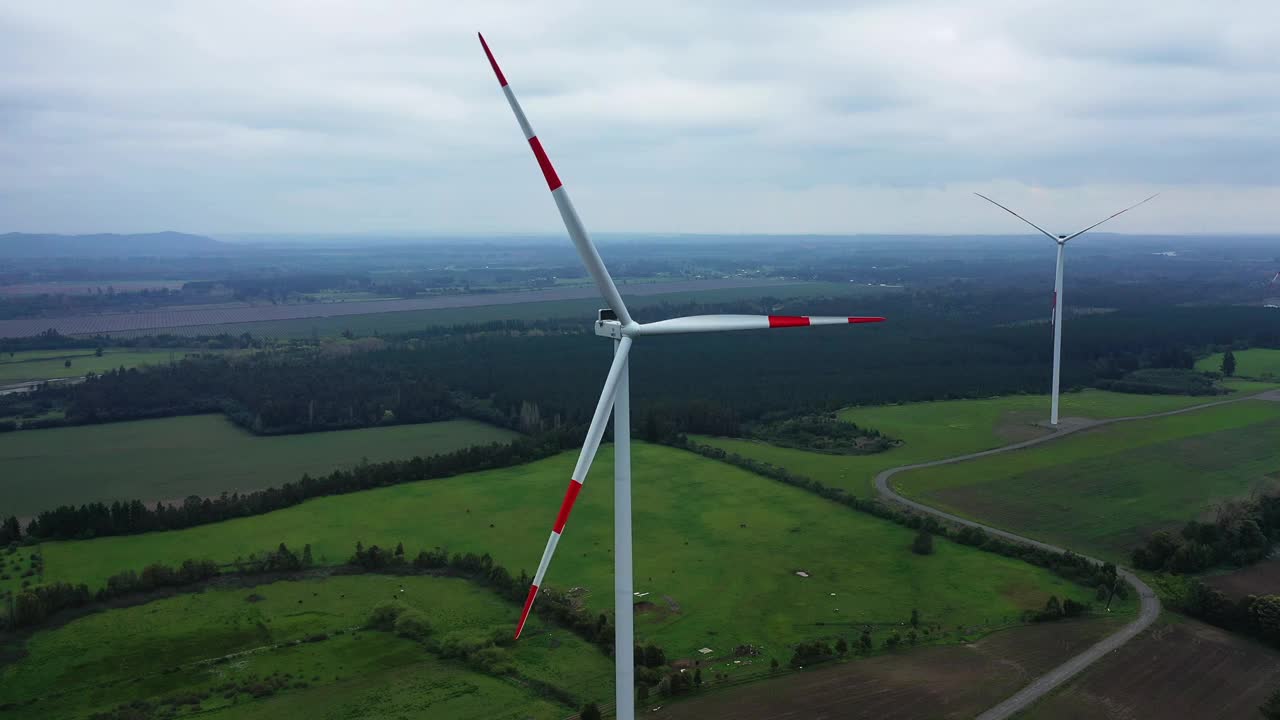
(935, 346)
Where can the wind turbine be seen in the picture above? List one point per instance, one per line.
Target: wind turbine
(1057, 289)
(616, 323)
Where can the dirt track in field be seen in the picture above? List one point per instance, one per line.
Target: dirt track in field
(952, 682)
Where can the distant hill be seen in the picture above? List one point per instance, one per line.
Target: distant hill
(161, 244)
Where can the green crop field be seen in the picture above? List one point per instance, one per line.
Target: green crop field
(717, 551)
(171, 458)
(49, 364)
(411, 320)
(1254, 363)
(937, 430)
(175, 646)
(1103, 490)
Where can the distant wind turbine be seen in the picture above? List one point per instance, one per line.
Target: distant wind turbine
(616, 323)
(1057, 289)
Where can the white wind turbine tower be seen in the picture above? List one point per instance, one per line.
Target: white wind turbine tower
(616, 323)
(1061, 240)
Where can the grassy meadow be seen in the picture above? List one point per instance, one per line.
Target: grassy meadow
(1258, 363)
(171, 458)
(717, 551)
(1104, 490)
(197, 643)
(937, 430)
(49, 364)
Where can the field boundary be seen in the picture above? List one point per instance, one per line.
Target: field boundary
(1150, 603)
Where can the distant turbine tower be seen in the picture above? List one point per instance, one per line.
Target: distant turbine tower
(616, 323)
(1057, 289)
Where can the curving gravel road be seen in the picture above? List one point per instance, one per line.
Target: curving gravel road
(1150, 604)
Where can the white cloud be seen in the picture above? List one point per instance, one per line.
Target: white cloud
(664, 116)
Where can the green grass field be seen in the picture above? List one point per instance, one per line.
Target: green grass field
(1253, 363)
(13, 566)
(171, 458)
(936, 430)
(1103, 490)
(171, 646)
(411, 320)
(49, 364)
(717, 550)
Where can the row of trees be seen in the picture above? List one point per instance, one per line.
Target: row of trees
(30, 607)
(127, 518)
(1241, 533)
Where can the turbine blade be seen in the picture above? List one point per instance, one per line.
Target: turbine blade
(1109, 217)
(589, 447)
(725, 323)
(577, 233)
(1042, 230)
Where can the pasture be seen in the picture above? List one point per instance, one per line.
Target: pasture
(717, 551)
(1103, 490)
(1258, 363)
(171, 458)
(936, 430)
(194, 644)
(49, 364)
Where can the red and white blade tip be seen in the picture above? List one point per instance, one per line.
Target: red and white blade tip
(502, 80)
(780, 321)
(528, 605)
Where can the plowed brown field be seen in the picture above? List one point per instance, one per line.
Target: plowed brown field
(1178, 669)
(935, 682)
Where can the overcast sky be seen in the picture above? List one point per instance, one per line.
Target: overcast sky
(841, 117)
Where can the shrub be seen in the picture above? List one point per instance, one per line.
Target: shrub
(412, 624)
(384, 615)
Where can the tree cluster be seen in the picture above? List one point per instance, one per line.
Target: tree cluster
(1054, 610)
(1255, 616)
(1241, 533)
(824, 433)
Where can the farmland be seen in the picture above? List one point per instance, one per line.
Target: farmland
(49, 364)
(509, 306)
(229, 319)
(1261, 578)
(955, 682)
(172, 648)
(1103, 490)
(171, 458)
(936, 430)
(1254, 363)
(1178, 668)
(707, 536)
